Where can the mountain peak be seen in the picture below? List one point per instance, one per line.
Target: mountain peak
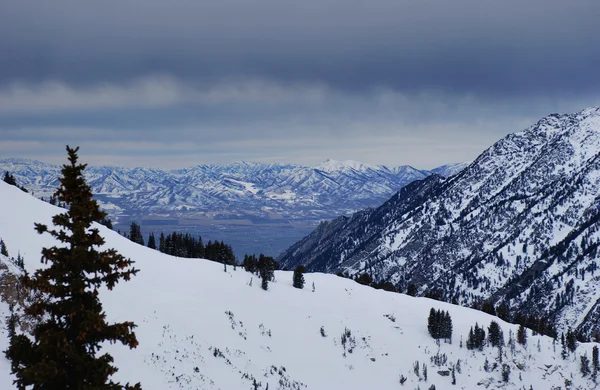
(331, 165)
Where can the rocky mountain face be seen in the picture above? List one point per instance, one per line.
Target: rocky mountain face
(520, 225)
(238, 189)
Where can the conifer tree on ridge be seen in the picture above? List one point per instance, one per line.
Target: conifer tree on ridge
(64, 351)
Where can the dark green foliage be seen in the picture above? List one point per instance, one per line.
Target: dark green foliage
(595, 362)
(495, 335)
(135, 233)
(503, 312)
(386, 286)
(476, 338)
(488, 307)
(522, 335)
(250, 263)
(3, 249)
(584, 366)
(439, 324)
(505, 372)
(364, 279)
(299, 276)
(188, 246)
(161, 243)
(266, 269)
(11, 322)
(9, 179)
(151, 241)
(571, 340)
(412, 290)
(107, 222)
(64, 351)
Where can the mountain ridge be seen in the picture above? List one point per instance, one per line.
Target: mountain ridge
(240, 188)
(518, 226)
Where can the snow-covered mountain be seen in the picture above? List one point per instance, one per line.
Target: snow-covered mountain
(520, 225)
(202, 328)
(241, 188)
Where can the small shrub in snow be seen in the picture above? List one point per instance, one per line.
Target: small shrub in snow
(402, 379)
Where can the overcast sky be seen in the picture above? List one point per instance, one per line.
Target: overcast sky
(177, 83)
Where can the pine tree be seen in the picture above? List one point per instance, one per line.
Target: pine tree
(298, 278)
(495, 336)
(3, 249)
(266, 269)
(64, 351)
(432, 325)
(9, 179)
(161, 243)
(585, 365)
(522, 335)
(151, 241)
(135, 233)
(595, 362)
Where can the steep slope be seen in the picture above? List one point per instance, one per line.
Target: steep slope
(519, 225)
(241, 188)
(202, 328)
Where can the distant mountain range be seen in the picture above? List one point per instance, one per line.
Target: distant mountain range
(235, 190)
(520, 225)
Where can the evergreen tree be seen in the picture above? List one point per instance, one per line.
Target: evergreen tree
(522, 335)
(571, 340)
(3, 249)
(432, 323)
(595, 362)
(495, 336)
(107, 222)
(585, 365)
(151, 241)
(364, 279)
(135, 233)
(298, 279)
(250, 263)
(439, 324)
(9, 179)
(161, 243)
(266, 269)
(63, 351)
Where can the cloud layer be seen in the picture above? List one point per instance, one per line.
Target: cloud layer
(386, 81)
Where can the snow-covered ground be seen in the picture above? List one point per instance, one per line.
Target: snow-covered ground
(202, 328)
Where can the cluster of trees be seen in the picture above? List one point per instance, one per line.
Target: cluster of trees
(367, 280)
(63, 351)
(184, 245)
(439, 324)
(10, 179)
(476, 338)
(263, 266)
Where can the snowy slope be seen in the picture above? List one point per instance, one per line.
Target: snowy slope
(520, 225)
(240, 188)
(202, 328)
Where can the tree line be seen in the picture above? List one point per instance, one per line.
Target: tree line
(184, 245)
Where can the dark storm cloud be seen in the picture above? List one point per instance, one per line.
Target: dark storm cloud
(176, 83)
(462, 46)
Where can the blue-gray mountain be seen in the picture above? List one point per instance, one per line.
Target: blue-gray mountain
(520, 225)
(269, 191)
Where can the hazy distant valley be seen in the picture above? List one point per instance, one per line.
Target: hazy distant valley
(255, 207)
